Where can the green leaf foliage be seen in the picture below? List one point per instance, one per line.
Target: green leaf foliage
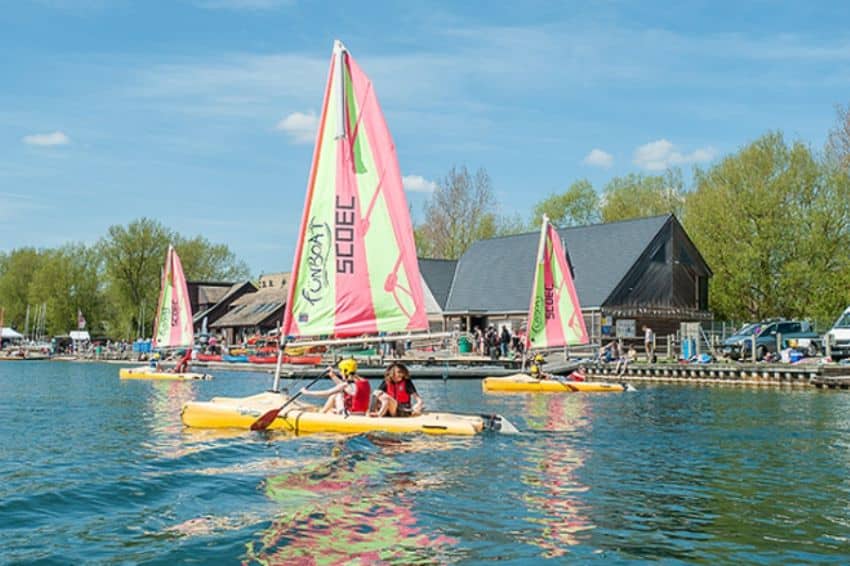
(772, 223)
(577, 206)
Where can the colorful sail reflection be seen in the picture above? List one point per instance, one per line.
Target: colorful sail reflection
(173, 327)
(355, 269)
(348, 510)
(555, 491)
(554, 315)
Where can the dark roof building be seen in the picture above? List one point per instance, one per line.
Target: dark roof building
(259, 312)
(645, 268)
(211, 301)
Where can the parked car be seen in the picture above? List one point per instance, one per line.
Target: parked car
(794, 333)
(839, 337)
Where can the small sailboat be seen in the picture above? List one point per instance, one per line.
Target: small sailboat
(173, 327)
(554, 320)
(355, 269)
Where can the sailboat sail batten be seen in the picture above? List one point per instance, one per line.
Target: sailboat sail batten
(356, 269)
(555, 317)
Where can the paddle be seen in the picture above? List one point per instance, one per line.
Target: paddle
(268, 418)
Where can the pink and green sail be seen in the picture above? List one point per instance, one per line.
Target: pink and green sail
(355, 269)
(554, 315)
(173, 326)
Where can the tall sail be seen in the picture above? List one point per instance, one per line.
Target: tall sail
(554, 315)
(173, 326)
(355, 269)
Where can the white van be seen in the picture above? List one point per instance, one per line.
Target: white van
(839, 336)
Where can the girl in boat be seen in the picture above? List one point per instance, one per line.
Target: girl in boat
(397, 395)
(351, 394)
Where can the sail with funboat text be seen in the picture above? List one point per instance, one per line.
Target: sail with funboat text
(355, 269)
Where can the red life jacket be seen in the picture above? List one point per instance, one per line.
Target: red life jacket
(398, 391)
(359, 402)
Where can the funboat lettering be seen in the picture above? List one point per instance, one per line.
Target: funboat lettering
(344, 235)
(318, 238)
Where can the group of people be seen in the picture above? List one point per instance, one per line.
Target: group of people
(497, 342)
(352, 394)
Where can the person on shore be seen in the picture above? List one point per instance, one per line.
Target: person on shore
(351, 394)
(649, 343)
(610, 352)
(397, 395)
(504, 341)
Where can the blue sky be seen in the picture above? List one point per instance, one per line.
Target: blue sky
(200, 113)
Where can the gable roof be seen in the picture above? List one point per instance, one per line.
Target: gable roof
(234, 289)
(438, 275)
(496, 275)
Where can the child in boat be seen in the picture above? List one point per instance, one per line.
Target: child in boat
(536, 368)
(397, 395)
(350, 395)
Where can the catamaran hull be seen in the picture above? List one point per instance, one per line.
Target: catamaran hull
(240, 413)
(522, 383)
(147, 373)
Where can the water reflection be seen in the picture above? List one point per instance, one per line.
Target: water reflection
(554, 494)
(354, 507)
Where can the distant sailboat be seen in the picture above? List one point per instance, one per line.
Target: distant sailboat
(355, 269)
(554, 320)
(173, 326)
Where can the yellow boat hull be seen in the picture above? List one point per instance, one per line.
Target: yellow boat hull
(148, 373)
(224, 412)
(522, 383)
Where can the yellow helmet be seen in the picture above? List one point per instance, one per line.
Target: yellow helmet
(347, 366)
(539, 358)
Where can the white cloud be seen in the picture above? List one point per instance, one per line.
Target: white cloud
(302, 127)
(418, 184)
(53, 138)
(661, 154)
(599, 158)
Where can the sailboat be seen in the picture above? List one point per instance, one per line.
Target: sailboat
(173, 326)
(355, 269)
(554, 320)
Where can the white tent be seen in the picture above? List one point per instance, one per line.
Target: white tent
(10, 334)
(79, 335)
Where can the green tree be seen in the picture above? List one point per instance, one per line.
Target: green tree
(16, 272)
(133, 258)
(577, 206)
(68, 281)
(204, 261)
(460, 211)
(637, 195)
(772, 222)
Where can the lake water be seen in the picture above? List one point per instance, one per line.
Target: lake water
(95, 470)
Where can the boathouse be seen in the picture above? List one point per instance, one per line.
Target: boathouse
(257, 312)
(627, 274)
(210, 301)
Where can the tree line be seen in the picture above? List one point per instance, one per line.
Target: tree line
(772, 221)
(114, 283)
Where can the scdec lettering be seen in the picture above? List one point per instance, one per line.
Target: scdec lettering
(344, 217)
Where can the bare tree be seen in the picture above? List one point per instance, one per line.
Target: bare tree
(838, 141)
(460, 211)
